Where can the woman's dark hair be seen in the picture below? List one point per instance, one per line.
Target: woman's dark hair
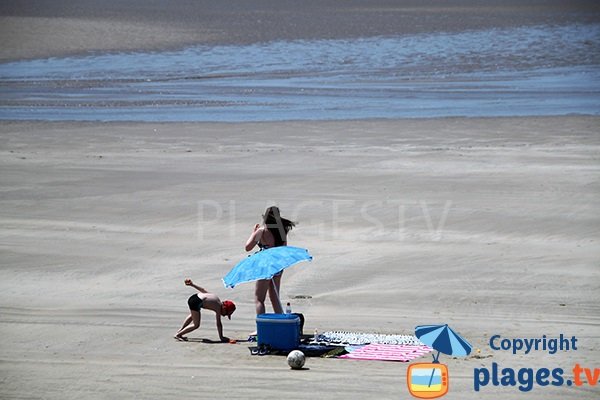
(279, 227)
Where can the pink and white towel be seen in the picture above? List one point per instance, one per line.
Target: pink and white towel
(388, 352)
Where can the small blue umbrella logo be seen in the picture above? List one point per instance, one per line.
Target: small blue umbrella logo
(443, 339)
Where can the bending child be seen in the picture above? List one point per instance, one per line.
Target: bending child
(208, 301)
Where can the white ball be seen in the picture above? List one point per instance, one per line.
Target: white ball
(296, 359)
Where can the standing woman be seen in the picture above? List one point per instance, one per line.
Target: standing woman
(272, 233)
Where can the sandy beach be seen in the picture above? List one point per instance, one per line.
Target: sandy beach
(489, 225)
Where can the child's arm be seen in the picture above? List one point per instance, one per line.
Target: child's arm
(220, 329)
(189, 282)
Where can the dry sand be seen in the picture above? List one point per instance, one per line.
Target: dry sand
(489, 225)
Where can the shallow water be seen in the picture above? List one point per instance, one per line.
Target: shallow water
(502, 72)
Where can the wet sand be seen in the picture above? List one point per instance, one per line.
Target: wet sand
(39, 29)
(489, 225)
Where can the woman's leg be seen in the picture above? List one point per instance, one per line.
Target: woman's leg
(260, 293)
(195, 324)
(274, 286)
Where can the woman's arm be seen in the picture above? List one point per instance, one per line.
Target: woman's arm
(254, 237)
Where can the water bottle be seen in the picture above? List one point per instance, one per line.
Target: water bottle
(288, 309)
(316, 339)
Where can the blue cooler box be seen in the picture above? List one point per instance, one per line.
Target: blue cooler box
(280, 331)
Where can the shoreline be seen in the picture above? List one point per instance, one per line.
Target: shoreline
(526, 72)
(294, 122)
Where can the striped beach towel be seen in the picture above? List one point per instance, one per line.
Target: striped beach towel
(388, 352)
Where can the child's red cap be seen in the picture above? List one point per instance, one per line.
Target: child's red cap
(229, 308)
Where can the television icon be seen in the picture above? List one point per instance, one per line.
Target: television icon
(427, 380)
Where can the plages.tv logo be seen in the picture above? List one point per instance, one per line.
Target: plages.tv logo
(525, 378)
(431, 380)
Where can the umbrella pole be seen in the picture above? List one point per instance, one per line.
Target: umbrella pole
(431, 378)
(435, 361)
(277, 293)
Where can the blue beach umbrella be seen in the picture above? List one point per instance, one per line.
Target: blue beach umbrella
(265, 264)
(443, 339)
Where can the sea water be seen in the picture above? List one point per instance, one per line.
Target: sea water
(542, 70)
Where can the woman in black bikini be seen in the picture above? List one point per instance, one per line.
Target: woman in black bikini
(272, 233)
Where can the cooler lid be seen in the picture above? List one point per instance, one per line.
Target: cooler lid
(278, 317)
